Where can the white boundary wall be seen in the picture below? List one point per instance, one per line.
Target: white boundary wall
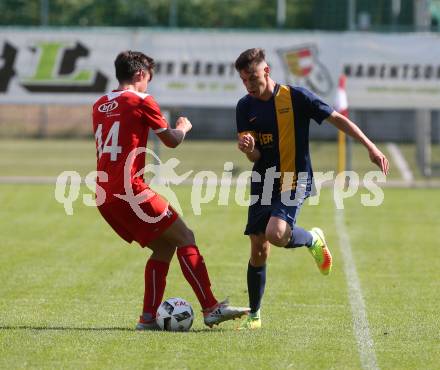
(195, 68)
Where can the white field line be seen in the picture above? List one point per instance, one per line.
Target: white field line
(27, 180)
(400, 162)
(360, 322)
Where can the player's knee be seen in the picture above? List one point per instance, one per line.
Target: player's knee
(189, 237)
(165, 253)
(276, 237)
(259, 257)
(258, 261)
(260, 249)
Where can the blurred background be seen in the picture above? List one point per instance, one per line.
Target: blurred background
(56, 58)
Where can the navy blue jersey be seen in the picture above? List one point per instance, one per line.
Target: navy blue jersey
(280, 127)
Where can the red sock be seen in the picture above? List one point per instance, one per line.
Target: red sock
(155, 282)
(194, 270)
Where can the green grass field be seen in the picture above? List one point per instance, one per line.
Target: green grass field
(71, 291)
(51, 157)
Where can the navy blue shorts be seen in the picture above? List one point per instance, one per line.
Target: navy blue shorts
(259, 215)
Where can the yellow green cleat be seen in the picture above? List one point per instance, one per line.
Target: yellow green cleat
(250, 323)
(320, 252)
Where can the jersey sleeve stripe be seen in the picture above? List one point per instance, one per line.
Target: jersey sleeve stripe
(159, 130)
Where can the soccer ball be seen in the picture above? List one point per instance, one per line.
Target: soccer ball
(175, 314)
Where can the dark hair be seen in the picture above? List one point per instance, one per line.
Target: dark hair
(249, 57)
(127, 63)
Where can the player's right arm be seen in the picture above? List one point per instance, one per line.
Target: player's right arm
(246, 144)
(246, 135)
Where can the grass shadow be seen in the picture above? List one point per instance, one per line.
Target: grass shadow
(29, 327)
(70, 328)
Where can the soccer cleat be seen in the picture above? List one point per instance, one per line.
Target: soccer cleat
(222, 311)
(250, 323)
(320, 252)
(147, 323)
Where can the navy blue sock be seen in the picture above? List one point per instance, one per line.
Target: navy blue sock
(256, 280)
(300, 238)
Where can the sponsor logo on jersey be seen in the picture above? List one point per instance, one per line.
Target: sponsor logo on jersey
(108, 106)
(265, 138)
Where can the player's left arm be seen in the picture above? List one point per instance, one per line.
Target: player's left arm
(350, 128)
(171, 137)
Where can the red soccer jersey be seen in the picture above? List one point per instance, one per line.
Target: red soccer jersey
(121, 121)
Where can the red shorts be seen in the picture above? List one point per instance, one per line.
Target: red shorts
(129, 226)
